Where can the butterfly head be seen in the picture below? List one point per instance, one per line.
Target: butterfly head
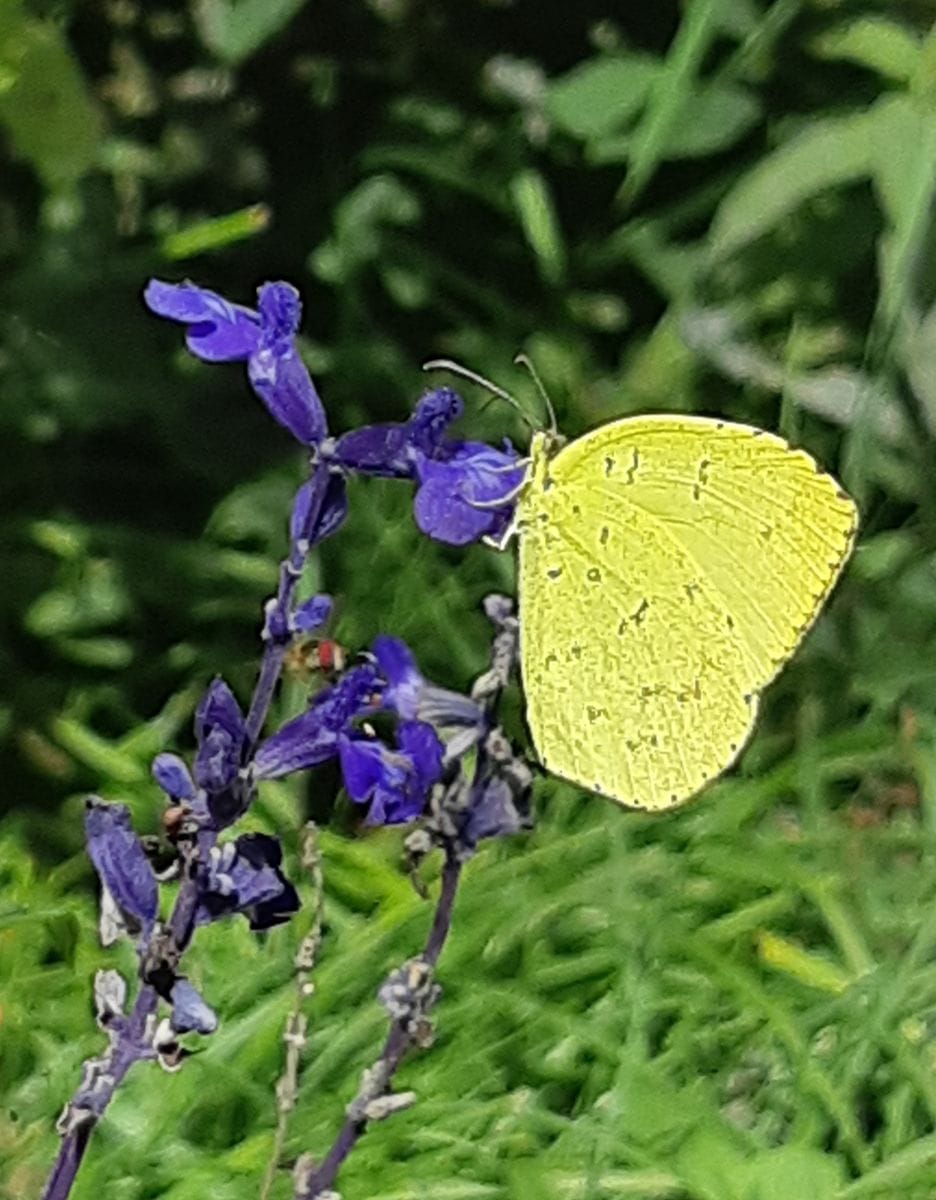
(544, 445)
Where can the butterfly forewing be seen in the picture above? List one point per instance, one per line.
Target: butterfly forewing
(669, 566)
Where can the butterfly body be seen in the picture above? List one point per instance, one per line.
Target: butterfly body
(669, 566)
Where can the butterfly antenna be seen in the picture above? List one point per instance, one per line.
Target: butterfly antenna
(524, 360)
(447, 364)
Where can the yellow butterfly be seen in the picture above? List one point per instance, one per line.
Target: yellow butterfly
(669, 567)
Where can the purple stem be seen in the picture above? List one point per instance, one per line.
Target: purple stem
(131, 1045)
(395, 1047)
(291, 570)
(128, 1048)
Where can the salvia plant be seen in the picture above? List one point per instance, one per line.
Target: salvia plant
(440, 763)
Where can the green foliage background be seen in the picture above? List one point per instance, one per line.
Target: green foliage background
(724, 207)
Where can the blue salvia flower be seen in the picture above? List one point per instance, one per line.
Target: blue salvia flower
(453, 477)
(396, 782)
(312, 738)
(220, 736)
(244, 876)
(276, 371)
(457, 718)
(396, 779)
(121, 862)
(174, 777)
(219, 331)
(392, 449)
(467, 495)
(191, 1013)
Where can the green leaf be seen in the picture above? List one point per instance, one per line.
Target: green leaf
(915, 1163)
(379, 201)
(671, 92)
(44, 102)
(716, 116)
(95, 598)
(782, 954)
(235, 30)
(903, 140)
(216, 233)
(883, 46)
(534, 204)
(600, 97)
(792, 1172)
(713, 1165)
(113, 654)
(64, 931)
(826, 154)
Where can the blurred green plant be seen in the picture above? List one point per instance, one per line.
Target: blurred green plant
(715, 207)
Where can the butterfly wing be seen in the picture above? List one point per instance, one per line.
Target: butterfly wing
(669, 566)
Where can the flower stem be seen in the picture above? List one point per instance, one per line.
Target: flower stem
(287, 1088)
(106, 1074)
(291, 569)
(313, 1182)
(131, 1045)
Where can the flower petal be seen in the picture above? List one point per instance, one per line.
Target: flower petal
(496, 811)
(333, 511)
(313, 614)
(120, 861)
(280, 311)
(367, 764)
(303, 742)
(218, 330)
(244, 876)
(451, 489)
(382, 450)
(276, 371)
(220, 731)
(190, 1012)
(396, 782)
(282, 381)
(421, 744)
(404, 681)
(391, 449)
(313, 737)
(431, 418)
(173, 776)
(219, 708)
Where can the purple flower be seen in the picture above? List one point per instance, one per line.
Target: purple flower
(312, 738)
(312, 614)
(219, 331)
(244, 876)
(172, 775)
(395, 782)
(120, 861)
(190, 1012)
(392, 449)
(309, 617)
(404, 679)
(451, 488)
(454, 476)
(220, 732)
(411, 696)
(333, 511)
(496, 810)
(276, 371)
